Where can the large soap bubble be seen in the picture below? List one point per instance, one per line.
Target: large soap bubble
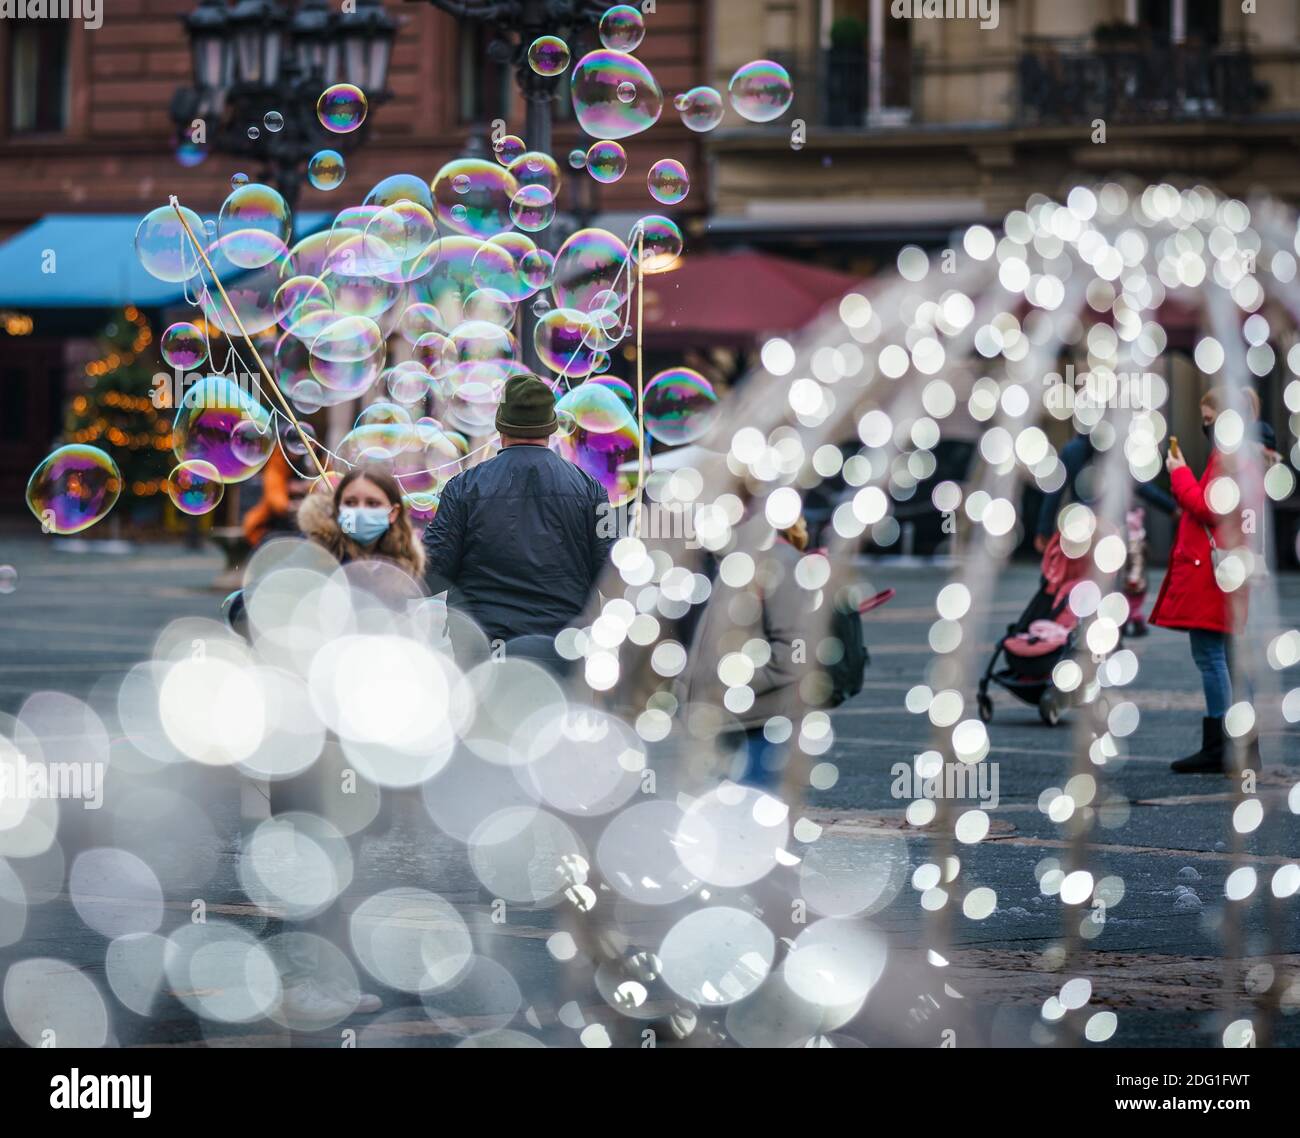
(761, 91)
(680, 406)
(597, 103)
(163, 247)
(73, 488)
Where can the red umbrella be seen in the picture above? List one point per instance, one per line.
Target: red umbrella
(734, 299)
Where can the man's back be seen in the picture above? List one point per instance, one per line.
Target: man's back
(518, 543)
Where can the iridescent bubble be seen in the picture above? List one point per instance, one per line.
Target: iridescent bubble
(577, 158)
(407, 382)
(588, 263)
(395, 235)
(662, 247)
(190, 154)
(400, 188)
(238, 180)
(595, 407)
(183, 346)
(249, 443)
(163, 247)
(508, 148)
(534, 168)
(701, 108)
(273, 121)
(533, 208)
(596, 103)
(680, 406)
(254, 132)
(619, 387)
(327, 170)
(380, 413)
(248, 215)
(73, 488)
(608, 456)
(435, 353)
(304, 306)
(622, 28)
(537, 268)
(606, 162)
(496, 266)
(492, 305)
(562, 339)
(349, 354)
(252, 292)
(668, 181)
(483, 209)
(342, 108)
(541, 306)
(195, 487)
(761, 91)
(626, 92)
(417, 320)
(548, 55)
(205, 423)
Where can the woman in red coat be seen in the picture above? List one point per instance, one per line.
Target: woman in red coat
(1190, 597)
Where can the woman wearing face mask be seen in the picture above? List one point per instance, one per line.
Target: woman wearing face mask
(1190, 597)
(364, 518)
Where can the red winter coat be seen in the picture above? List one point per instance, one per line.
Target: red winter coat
(1190, 596)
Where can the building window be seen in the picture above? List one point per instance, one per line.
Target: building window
(38, 66)
(486, 86)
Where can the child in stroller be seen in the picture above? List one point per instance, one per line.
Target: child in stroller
(1038, 640)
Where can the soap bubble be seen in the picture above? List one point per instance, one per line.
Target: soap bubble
(400, 188)
(701, 108)
(622, 28)
(595, 407)
(562, 338)
(548, 55)
(326, 170)
(183, 346)
(537, 268)
(534, 168)
(162, 246)
(252, 292)
(626, 92)
(608, 456)
(509, 147)
(596, 103)
(588, 263)
(761, 91)
(249, 213)
(577, 158)
(195, 487)
(606, 161)
(205, 426)
(662, 243)
(680, 406)
(483, 207)
(273, 121)
(73, 488)
(532, 208)
(342, 108)
(237, 180)
(668, 181)
(254, 133)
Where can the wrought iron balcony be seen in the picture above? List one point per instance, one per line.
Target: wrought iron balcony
(1072, 81)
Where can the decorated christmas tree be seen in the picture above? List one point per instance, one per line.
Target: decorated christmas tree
(119, 411)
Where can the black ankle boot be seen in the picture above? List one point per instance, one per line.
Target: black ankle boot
(1209, 759)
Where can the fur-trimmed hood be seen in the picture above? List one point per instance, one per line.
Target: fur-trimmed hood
(319, 523)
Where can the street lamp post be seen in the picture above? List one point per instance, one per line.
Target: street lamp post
(255, 56)
(516, 23)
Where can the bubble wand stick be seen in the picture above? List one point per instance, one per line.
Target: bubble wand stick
(274, 387)
(640, 380)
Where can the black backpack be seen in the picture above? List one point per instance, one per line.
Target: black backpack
(844, 653)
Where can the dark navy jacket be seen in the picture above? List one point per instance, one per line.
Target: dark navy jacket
(518, 542)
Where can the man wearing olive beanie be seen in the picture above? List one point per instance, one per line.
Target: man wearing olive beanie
(517, 540)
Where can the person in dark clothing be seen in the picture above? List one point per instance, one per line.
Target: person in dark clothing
(519, 541)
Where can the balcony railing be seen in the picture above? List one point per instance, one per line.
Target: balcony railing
(1066, 81)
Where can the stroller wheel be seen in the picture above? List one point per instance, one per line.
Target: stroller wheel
(1049, 708)
(985, 706)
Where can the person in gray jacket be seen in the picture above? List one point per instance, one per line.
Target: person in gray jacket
(759, 636)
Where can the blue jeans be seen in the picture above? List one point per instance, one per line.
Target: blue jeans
(764, 760)
(1210, 651)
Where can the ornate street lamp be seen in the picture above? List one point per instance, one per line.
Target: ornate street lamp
(256, 56)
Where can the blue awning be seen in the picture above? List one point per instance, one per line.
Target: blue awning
(94, 263)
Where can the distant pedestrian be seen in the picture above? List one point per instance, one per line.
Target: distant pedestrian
(519, 541)
(1191, 597)
(364, 519)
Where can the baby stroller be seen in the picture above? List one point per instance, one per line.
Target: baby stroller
(1042, 636)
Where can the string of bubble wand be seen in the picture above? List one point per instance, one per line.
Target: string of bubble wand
(284, 403)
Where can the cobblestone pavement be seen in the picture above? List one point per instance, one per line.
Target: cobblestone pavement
(75, 622)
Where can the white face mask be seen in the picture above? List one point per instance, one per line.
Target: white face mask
(364, 524)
